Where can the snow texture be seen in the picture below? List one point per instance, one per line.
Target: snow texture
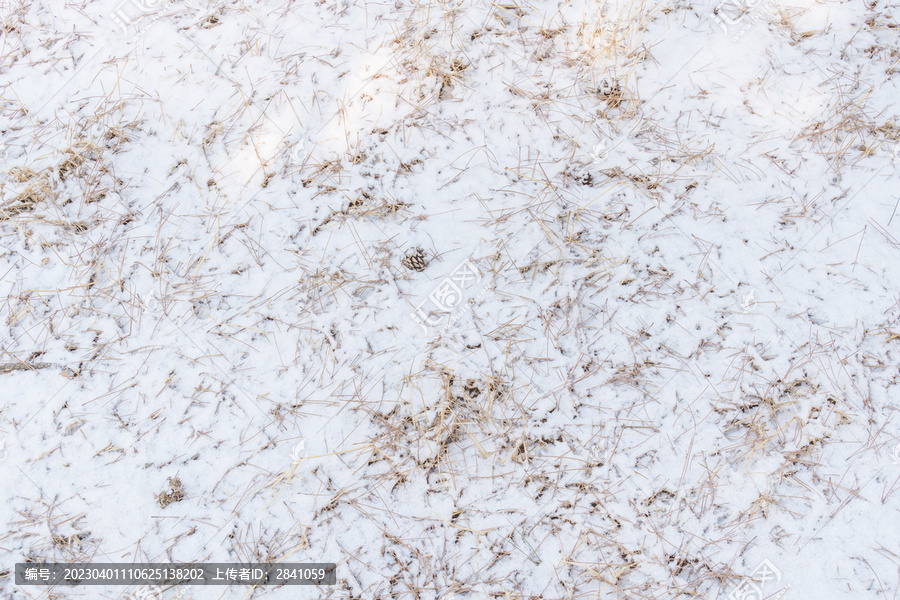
(477, 300)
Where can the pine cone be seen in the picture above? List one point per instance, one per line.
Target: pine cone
(415, 260)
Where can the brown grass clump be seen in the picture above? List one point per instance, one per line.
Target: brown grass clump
(78, 154)
(22, 174)
(36, 192)
(12, 367)
(67, 542)
(448, 78)
(612, 93)
(175, 495)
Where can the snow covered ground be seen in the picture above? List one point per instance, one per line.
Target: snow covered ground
(539, 300)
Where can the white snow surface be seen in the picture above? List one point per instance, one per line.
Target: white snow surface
(677, 355)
